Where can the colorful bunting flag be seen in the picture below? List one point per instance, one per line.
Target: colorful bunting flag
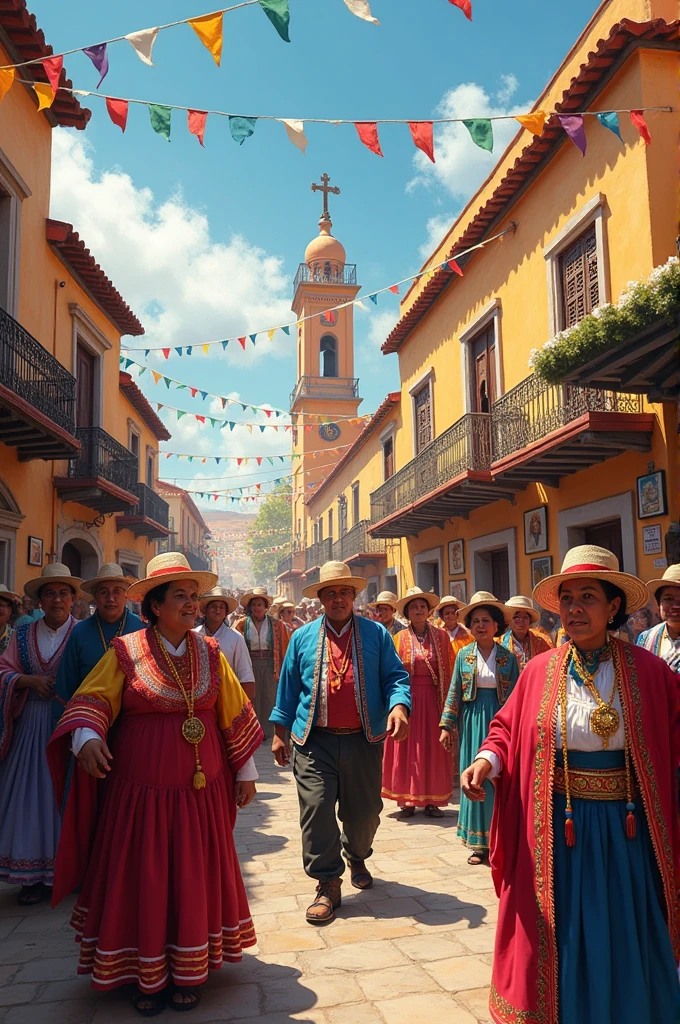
(362, 9)
(465, 6)
(394, 288)
(278, 13)
(100, 58)
(160, 119)
(45, 95)
(53, 66)
(206, 349)
(166, 352)
(368, 133)
(253, 337)
(374, 299)
(534, 123)
(142, 43)
(422, 133)
(574, 127)
(241, 128)
(156, 376)
(242, 343)
(295, 130)
(209, 31)
(610, 120)
(286, 330)
(638, 119)
(118, 111)
(481, 131)
(271, 333)
(7, 76)
(196, 120)
(454, 266)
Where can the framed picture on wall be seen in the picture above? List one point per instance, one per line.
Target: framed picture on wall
(540, 568)
(458, 589)
(456, 557)
(535, 530)
(651, 494)
(35, 551)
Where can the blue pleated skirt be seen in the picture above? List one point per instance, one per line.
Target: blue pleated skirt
(474, 819)
(616, 962)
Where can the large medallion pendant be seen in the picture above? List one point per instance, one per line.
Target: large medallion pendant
(193, 730)
(604, 721)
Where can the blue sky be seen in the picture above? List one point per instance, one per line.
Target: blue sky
(205, 243)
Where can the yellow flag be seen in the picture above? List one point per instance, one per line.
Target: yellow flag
(206, 348)
(6, 81)
(209, 31)
(43, 91)
(533, 122)
(156, 376)
(270, 334)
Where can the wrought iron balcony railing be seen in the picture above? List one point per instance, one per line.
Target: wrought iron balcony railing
(285, 565)
(32, 373)
(358, 541)
(150, 505)
(319, 553)
(325, 387)
(533, 409)
(104, 457)
(326, 274)
(464, 446)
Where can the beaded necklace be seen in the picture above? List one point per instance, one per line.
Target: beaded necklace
(193, 729)
(335, 675)
(117, 634)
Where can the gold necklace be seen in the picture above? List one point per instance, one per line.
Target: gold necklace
(193, 729)
(604, 719)
(420, 645)
(335, 676)
(117, 634)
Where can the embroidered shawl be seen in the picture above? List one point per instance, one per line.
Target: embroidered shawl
(651, 640)
(537, 645)
(440, 645)
(464, 683)
(279, 638)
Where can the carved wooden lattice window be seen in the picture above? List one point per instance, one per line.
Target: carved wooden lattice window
(580, 288)
(422, 401)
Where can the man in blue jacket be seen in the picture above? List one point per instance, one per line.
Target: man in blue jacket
(342, 690)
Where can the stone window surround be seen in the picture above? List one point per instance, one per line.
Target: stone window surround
(493, 311)
(425, 379)
(86, 332)
(492, 542)
(17, 190)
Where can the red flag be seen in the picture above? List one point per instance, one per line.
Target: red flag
(368, 133)
(259, 461)
(166, 352)
(268, 412)
(201, 419)
(454, 266)
(394, 288)
(194, 392)
(53, 66)
(196, 121)
(239, 461)
(118, 111)
(242, 342)
(423, 136)
(638, 119)
(465, 6)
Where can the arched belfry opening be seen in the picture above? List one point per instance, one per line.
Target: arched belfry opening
(328, 356)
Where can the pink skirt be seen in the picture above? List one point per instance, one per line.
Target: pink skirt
(419, 771)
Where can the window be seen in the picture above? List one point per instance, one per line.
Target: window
(13, 191)
(133, 444)
(342, 515)
(149, 467)
(319, 526)
(130, 570)
(483, 353)
(355, 504)
(328, 356)
(330, 524)
(576, 261)
(388, 458)
(579, 278)
(86, 369)
(422, 409)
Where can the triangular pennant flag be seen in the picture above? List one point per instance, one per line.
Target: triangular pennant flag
(638, 119)
(100, 58)
(362, 9)
(253, 337)
(610, 120)
(534, 123)
(206, 348)
(224, 345)
(194, 392)
(189, 349)
(209, 31)
(142, 43)
(159, 406)
(7, 76)
(241, 128)
(196, 120)
(200, 419)
(368, 133)
(394, 288)
(359, 304)
(204, 395)
(481, 132)
(168, 455)
(286, 330)
(44, 93)
(422, 133)
(217, 460)
(453, 265)
(53, 66)
(242, 343)
(262, 428)
(167, 382)
(268, 413)
(166, 352)
(574, 127)
(128, 362)
(295, 130)
(146, 353)
(259, 460)
(224, 402)
(374, 299)
(239, 461)
(212, 421)
(270, 334)
(465, 6)
(279, 15)
(250, 427)
(160, 119)
(156, 376)
(179, 353)
(180, 413)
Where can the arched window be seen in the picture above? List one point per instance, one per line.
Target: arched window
(329, 356)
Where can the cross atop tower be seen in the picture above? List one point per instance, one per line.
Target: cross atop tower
(326, 189)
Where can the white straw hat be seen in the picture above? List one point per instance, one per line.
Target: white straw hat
(256, 592)
(385, 597)
(412, 594)
(335, 574)
(8, 595)
(109, 573)
(450, 600)
(54, 572)
(480, 598)
(218, 594)
(671, 578)
(522, 604)
(587, 561)
(166, 568)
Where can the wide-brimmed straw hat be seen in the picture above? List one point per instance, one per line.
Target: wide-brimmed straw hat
(412, 594)
(335, 574)
(587, 561)
(450, 600)
(8, 595)
(54, 572)
(482, 597)
(109, 573)
(519, 603)
(167, 568)
(218, 594)
(671, 578)
(385, 597)
(257, 592)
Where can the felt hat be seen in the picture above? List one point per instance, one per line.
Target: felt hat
(480, 598)
(671, 578)
(109, 573)
(587, 561)
(448, 600)
(166, 568)
(412, 594)
(8, 595)
(54, 572)
(335, 574)
(524, 604)
(256, 592)
(385, 597)
(218, 594)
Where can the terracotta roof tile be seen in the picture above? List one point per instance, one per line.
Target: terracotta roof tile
(141, 403)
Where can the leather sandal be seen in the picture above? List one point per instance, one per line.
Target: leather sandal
(407, 812)
(156, 1001)
(478, 857)
(361, 877)
(183, 1007)
(434, 812)
(328, 899)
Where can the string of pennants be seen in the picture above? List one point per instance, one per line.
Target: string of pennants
(217, 421)
(244, 460)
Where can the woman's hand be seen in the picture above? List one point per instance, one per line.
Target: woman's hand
(244, 793)
(446, 739)
(472, 779)
(94, 757)
(281, 750)
(42, 685)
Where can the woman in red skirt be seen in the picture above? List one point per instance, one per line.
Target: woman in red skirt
(418, 772)
(151, 843)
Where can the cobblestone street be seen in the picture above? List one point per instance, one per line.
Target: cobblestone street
(416, 947)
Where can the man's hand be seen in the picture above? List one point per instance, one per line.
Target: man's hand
(244, 793)
(42, 685)
(446, 739)
(397, 723)
(94, 757)
(472, 779)
(280, 748)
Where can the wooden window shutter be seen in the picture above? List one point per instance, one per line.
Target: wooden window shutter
(579, 272)
(423, 411)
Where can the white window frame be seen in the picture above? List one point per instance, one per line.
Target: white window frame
(150, 454)
(425, 380)
(620, 506)
(132, 558)
(590, 213)
(85, 332)
(17, 190)
(492, 542)
(493, 311)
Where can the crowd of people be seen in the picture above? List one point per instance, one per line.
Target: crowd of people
(127, 740)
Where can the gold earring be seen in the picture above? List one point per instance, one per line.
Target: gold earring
(611, 620)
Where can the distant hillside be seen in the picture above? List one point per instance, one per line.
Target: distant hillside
(225, 519)
(229, 532)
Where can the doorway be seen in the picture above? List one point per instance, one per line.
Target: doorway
(85, 375)
(427, 576)
(609, 523)
(606, 535)
(492, 572)
(81, 558)
(484, 356)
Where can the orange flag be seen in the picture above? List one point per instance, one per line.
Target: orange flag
(45, 95)
(533, 122)
(6, 81)
(209, 31)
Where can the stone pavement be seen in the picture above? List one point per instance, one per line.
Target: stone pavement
(415, 947)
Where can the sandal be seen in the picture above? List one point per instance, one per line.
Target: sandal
(155, 999)
(195, 994)
(478, 858)
(407, 812)
(434, 812)
(31, 894)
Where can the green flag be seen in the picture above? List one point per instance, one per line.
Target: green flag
(160, 119)
(278, 13)
(241, 128)
(481, 131)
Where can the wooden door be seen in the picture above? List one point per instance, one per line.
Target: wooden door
(580, 281)
(606, 535)
(85, 376)
(484, 355)
(500, 574)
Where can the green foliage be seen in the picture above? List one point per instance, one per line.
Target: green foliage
(641, 305)
(274, 514)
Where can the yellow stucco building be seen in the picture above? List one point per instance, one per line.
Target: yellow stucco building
(78, 439)
(478, 474)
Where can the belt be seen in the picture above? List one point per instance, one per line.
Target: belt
(593, 783)
(262, 654)
(339, 732)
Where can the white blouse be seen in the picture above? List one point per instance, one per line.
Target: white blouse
(257, 634)
(486, 670)
(49, 640)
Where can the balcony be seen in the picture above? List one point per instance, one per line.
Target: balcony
(37, 397)
(345, 275)
(197, 556)
(315, 556)
(104, 475)
(293, 564)
(543, 432)
(358, 548)
(149, 517)
(325, 387)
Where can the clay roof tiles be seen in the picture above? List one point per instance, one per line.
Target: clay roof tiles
(141, 403)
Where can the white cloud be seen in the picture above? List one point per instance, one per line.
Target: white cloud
(185, 287)
(437, 227)
(381, 324)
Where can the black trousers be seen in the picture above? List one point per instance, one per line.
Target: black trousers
(344, 772)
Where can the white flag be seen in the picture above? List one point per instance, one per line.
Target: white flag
(295, 130)
(142, 43)
(362, 9)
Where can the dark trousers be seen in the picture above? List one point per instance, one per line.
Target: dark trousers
(337, 771)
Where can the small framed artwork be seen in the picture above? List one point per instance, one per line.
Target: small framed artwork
(456, 557)
(651, 494)
(651, 540)
(535, 530)
(458, 589)
(540, 568)
(35, 551)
